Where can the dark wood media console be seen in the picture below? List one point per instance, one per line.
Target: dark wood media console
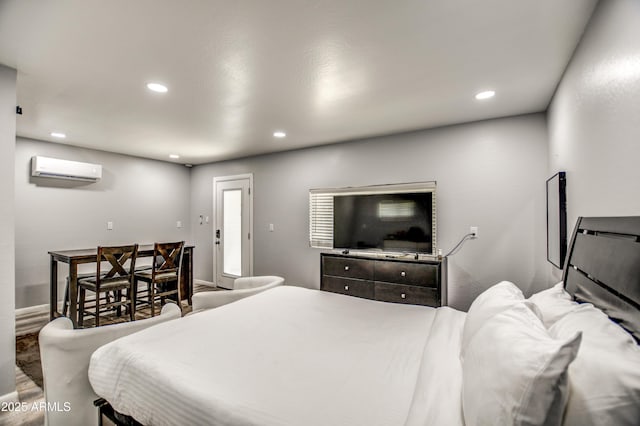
(398, 280)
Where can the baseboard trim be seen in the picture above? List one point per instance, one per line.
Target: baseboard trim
(31, 319)
(9, 397)
(31, 310)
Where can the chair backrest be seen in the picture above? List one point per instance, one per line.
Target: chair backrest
(168, 257)
(117, 256)
(243, 287)
(259, 281)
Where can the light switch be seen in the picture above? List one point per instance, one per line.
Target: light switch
(206, 219)
(271, 227)
(179, 224)
(109, 226)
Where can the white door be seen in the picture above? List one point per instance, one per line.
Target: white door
(233, 229)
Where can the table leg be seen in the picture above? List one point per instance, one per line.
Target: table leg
(73, 293)
(186, 275)
(189, 276)
(53, 289)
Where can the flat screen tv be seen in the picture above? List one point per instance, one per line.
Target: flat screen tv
(396, 222)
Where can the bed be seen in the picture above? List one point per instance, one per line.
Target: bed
(294, 356)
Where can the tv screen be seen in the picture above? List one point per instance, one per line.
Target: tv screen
(400, 222)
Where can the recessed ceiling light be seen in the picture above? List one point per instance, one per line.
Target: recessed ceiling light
(485, 95)
(279, 134)
(58, 135)
(157, 87)
(174, 156)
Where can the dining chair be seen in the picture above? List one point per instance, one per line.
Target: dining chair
(122, 262)
(65, 302)
(164, 273)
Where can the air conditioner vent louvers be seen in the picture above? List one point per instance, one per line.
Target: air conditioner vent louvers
(65, 169)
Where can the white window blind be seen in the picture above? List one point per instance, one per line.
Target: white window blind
(320, 218)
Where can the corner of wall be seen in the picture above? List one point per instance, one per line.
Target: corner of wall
(7, 230)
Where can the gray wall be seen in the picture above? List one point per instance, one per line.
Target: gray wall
(594, 124)
(490, 174)
(7, 219)
(143, 198)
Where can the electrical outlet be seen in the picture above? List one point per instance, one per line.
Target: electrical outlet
(474, 231)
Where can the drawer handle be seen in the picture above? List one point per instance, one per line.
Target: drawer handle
(403, 274)
(346, 287)
(404, 296)
(346, 268)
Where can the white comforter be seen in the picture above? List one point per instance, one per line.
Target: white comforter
(289, 356)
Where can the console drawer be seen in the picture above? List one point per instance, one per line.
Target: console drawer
(407, 273)
(413, 295)
(357, 288)
(347, 267)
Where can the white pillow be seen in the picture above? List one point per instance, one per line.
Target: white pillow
(604, 379)
(514, 373)
(553, 303)
(492, 301)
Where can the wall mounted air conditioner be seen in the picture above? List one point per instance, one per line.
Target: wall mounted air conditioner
(65, 169)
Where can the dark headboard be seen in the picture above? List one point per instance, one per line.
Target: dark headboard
(603, 267)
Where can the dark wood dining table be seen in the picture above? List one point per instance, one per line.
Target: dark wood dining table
(79, 256)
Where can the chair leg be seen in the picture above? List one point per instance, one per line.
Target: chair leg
(133, 293)
(150, 294)
(97, 309)
(152, 299)
(132, 302)
(178, 294)
(117, 299)
(65, 303)
(81, 311)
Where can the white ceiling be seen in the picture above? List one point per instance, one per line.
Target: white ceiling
(323, 71)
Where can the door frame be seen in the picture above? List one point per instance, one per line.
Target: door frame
(215, 219)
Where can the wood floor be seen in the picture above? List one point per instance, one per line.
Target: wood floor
(32, 397)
